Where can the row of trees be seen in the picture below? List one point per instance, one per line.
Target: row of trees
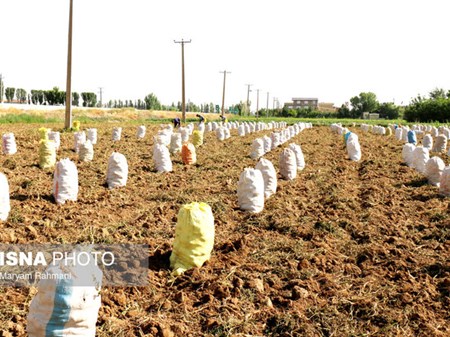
(435, 108)
(49, 97)
(89, 99)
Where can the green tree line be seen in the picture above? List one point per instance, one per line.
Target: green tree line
(435, 108)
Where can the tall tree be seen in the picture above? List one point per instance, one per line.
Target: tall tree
(89, 99)
(75, 98)
(21, 95)
(438, 93)
(365, 102)
(2, 89)
(152, 102)
(9, 94)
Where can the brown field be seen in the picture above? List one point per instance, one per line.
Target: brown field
(346, 249)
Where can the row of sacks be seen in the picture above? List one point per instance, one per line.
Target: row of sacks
(263, 145)
(65, 181)
(257, 184)
(434, 169)
(163, 161)
(69, 303)
(351, 141)
(377, 129)
(65, 178)
(168, 142)
(433, 141)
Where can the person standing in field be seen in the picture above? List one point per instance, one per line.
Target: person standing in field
(201, 119)
(176, 123)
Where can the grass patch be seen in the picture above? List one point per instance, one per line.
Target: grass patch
(27, 119)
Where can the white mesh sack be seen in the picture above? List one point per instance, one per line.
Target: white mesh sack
(398, 133)
(257, 148)
(175, 143)
(92, 135)
(201, 127)
(269, 175)
(405, 134)
(420, 158)
(250, 190)
(434, 131)
(267, 144)
(227, 133)
(220, 133)
(276, 139)
(9, 143)
(4, 198)
(190, 127)
(117, 174)
(353, 147)
(184, 134)
(65, 181)
(164, 136)
(407, 154)
(433, 170)
(86, 151)
(427, 141)
(241, 130)
(56, 137)
(116, 134)
(140, 132)
(444, 185)
(67, 303)
(79, 138)
(288, 164)
(208, 127)
(298, 155)
(440, 144)
(161, 157)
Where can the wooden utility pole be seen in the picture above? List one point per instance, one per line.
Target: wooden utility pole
(223, 91)
(183, 101)
(68, 117)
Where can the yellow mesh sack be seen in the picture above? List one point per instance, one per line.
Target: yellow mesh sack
(43, 133)
(47, 154)
(76, 125)
(197, 138)
(388, 132)
(194, 237)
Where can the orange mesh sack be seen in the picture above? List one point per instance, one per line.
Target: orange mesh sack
(188, 154)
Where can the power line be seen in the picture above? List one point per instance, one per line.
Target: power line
(183, 105)
(223, 92)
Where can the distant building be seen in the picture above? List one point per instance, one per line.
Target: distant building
(302, 102)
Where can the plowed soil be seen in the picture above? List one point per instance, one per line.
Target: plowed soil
(345, 249)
